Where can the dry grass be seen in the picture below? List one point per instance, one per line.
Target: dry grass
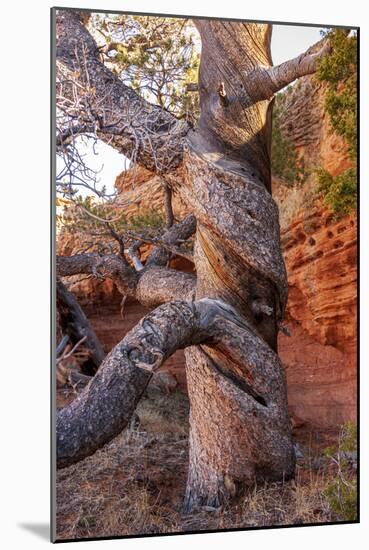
(135, 485)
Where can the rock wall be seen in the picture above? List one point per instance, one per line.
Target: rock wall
(141, 191)
(321, 260)
(320, 354)
(305, 122)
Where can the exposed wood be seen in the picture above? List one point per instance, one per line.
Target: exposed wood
(106, 405)
(172, 237)
(152, 284)
(238, 260)
(169, 216)
(263, 82)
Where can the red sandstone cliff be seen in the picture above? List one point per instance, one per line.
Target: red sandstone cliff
(320, 355)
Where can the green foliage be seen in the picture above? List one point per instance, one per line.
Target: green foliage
(342, 499)
(340, 192)
(341, 494)
(339, 71)
(157, 57)
(149, 219)
(87, 215)
(285, 163)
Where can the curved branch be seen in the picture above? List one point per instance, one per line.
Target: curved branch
(106, 405)
(124, 276)
(263, 82)
(144, 132)
(65, 136)
(151, 286)
(158, 285)
(160, 243)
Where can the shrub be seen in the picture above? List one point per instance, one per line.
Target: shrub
(340, 192)
(341, 494)
(339, 71)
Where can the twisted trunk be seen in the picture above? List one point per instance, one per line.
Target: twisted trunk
(239, 424)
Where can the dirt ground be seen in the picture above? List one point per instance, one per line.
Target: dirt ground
(136, 484)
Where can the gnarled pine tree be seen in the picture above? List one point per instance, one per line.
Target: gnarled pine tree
(228, 316)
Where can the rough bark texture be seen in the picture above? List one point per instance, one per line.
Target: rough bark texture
(106, 405)
(235, 437)
(152, 285)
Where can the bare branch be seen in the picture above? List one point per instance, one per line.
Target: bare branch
(169, 216)
(119, 239)
(64, 136)
(98, 218)
(66, 354)
(63, 342)
(110, 265)
(263, 83)
(175, 250)
(132, 254)
(145, 133)
(152, 285)
(178, 233)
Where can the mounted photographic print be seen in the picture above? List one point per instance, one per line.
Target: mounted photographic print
(204, 274)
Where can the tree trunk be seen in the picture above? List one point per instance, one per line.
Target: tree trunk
(237, 434)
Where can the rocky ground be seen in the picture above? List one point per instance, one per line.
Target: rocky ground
(135, 485)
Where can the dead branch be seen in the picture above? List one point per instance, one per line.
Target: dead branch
(175, 250)
(119, 239)
(169, 216)
(87, 89)
(66, 354)
(151, 286)
(178, 233)
(263, 83)
(108, 402)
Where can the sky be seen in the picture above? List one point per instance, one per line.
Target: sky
(288, 41)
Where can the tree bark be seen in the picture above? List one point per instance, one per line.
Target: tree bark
(235, 437)
(143, 132)
(105, 406)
